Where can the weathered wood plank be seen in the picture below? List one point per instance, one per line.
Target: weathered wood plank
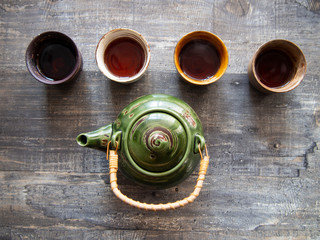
(242, 127)
(263, 182)
(163, 24)
(59, 233)
(84, 201)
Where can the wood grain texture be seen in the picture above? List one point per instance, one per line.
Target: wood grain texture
(263, 182)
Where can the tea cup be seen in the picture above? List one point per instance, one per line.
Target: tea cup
(123, 55)
(277, 66)
(201, 57)
(53, 58)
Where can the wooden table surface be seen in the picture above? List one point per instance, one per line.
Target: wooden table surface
(263, 182)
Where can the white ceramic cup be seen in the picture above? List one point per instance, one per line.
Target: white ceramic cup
(109, 38)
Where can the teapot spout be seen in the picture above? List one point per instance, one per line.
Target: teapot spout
(96, 139)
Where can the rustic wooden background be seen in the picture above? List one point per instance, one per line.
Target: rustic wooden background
(263, 182)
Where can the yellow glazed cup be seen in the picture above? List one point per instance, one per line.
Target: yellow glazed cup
(219, 46)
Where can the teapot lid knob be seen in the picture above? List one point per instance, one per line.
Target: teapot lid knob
(157, 141)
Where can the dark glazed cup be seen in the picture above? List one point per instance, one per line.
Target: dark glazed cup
(37, 46)
(298, 66)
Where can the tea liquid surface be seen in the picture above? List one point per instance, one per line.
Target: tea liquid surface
(274, 68)
(199, 59)
(124, 57)
(56, 61)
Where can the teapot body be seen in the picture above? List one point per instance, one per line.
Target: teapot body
(157, 138)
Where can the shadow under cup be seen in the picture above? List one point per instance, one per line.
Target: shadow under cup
(201, 57)
(277, 66)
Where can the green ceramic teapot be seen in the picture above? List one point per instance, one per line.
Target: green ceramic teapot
(158, 139)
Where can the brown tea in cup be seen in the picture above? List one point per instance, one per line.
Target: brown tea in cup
(56, 60)
(124, 57)
(201, 57)
(53, 58)
(277, 66)
(274, 68)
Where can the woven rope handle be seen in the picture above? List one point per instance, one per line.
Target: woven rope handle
(113, 168)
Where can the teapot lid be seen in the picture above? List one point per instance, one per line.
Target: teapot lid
(157, 141)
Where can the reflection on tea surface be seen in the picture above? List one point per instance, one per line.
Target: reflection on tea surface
(124, 57)
(274, 68)
(199, 59)
(56, 60)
